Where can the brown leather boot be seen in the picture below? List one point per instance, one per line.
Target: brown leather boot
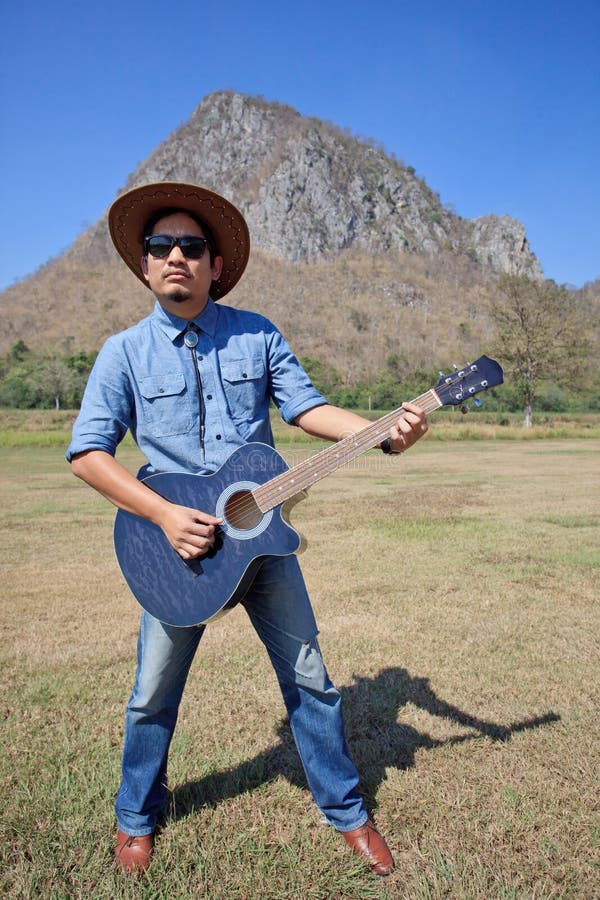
(367, 843)
(132, 854)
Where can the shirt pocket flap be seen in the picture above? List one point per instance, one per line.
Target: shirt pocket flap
(243, 369)
(162, 385)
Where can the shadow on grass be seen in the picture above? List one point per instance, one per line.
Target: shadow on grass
(375, 738)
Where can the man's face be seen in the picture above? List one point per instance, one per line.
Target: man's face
(181, 285)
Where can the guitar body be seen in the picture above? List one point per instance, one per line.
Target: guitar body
(180, 592)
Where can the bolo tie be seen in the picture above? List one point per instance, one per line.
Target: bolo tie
(190, 339)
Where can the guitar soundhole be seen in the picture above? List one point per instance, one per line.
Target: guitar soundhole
(242, 512)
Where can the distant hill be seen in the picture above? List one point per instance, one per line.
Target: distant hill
(354, 256)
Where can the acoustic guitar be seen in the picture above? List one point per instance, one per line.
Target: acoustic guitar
(251, 492)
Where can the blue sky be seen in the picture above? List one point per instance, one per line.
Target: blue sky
(496, 104)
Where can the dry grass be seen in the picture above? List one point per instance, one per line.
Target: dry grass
(457, 594)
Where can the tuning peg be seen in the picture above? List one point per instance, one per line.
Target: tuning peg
(478, 402)
(464, 409)
(442, 374)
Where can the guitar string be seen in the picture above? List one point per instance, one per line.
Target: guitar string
(328, 460)
(318, 466)
(272, 493)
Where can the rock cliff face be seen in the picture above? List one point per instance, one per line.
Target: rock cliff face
(308, 189)
(500, 242)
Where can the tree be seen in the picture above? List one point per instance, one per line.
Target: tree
(323, 376)
(55, 382)
(541, 336)
(43, 379)
(16, 390)
(18, 351)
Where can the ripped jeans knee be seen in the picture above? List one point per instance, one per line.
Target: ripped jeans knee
(310, 671)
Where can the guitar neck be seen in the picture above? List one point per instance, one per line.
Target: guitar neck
(307, 473)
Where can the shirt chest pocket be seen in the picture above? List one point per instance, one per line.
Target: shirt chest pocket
(166, 405)
(244, 383)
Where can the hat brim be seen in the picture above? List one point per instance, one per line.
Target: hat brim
(129, 213)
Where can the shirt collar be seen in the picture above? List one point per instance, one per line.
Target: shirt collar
(173, 326)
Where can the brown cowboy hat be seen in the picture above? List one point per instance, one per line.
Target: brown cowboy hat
(129, 213)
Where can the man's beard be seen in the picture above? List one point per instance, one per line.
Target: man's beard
(179, 295)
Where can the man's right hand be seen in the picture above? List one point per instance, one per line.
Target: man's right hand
(190, 532)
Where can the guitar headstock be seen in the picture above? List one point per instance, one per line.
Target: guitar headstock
(457, 388)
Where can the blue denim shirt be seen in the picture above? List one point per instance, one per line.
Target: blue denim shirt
(144, 380)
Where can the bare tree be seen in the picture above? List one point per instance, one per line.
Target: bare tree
(55, 380)
(541, 335)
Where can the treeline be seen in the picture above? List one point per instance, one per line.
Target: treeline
(388, 390)
(43, 379)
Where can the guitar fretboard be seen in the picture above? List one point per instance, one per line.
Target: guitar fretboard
(307, 473)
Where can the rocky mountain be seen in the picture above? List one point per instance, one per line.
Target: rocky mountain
(308, 189)
(315, 198)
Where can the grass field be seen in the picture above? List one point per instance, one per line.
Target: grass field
(457, 593)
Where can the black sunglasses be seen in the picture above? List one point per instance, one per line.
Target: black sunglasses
(160, 245)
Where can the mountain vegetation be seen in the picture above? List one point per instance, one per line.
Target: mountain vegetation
(373, 280)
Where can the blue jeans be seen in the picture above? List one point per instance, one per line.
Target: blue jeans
(281, 613)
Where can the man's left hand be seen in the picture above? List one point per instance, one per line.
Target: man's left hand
(411, 426)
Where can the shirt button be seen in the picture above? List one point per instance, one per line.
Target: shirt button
(209, 396)
(244, 375)
(218, 436)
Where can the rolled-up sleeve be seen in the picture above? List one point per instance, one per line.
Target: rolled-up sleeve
(291, 388)
(106, 408)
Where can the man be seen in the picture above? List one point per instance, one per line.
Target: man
(192, 382)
